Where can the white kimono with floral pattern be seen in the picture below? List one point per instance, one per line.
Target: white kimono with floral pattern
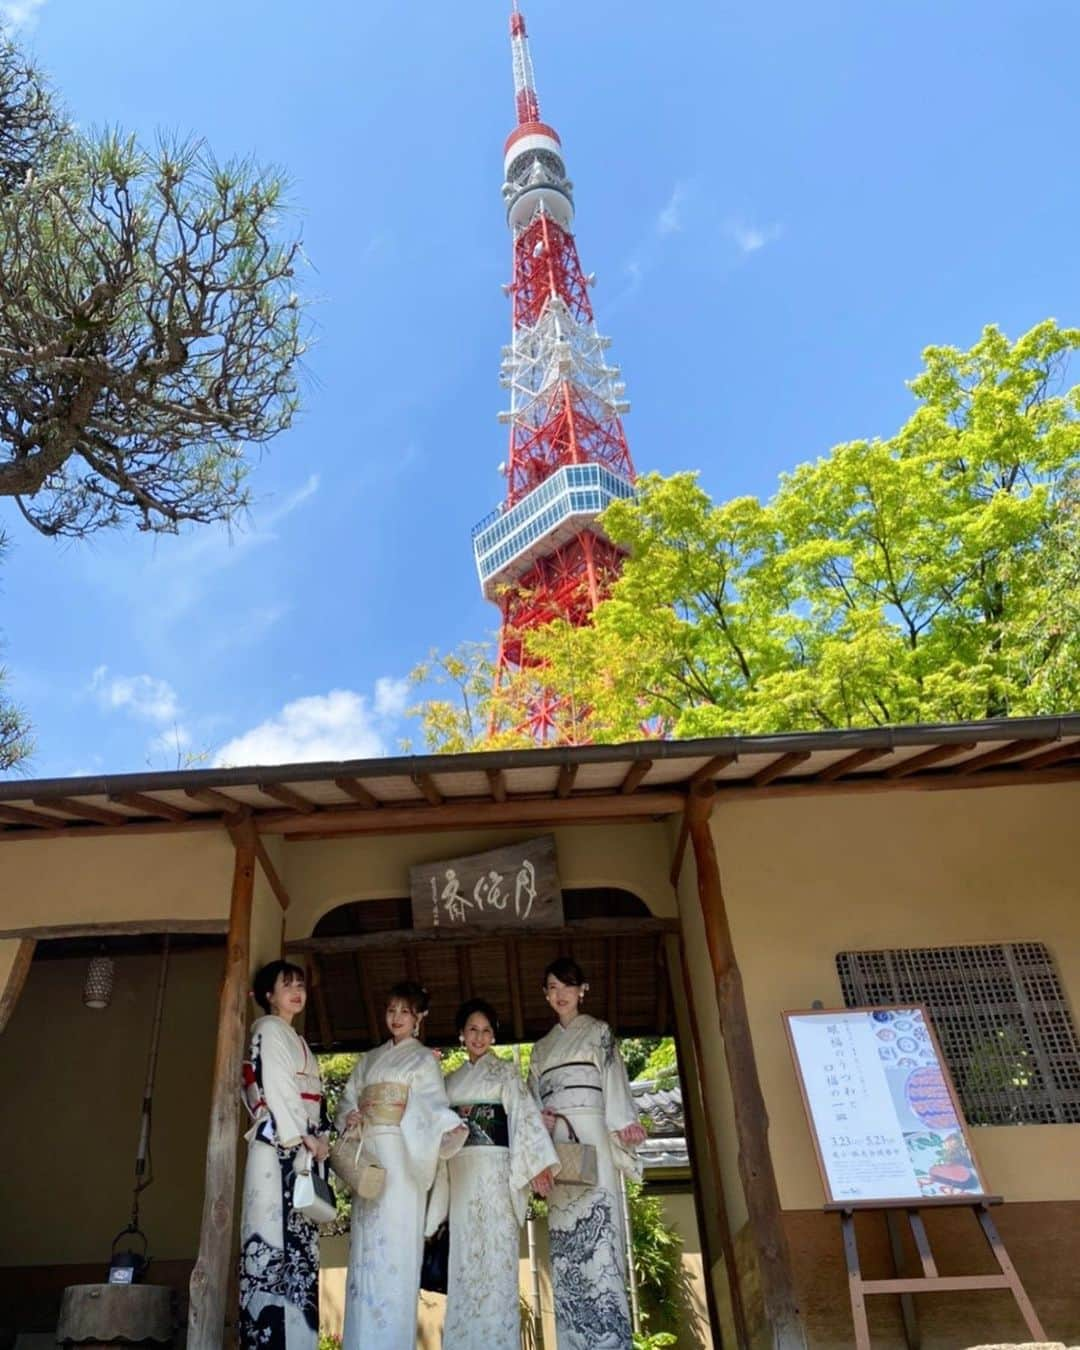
(279, 1248)
(486, 1189)
(387, 1243)
(578, 1072)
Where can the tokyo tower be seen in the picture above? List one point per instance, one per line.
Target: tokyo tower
(542, 554)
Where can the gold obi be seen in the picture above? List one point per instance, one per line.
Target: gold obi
(383, 1103)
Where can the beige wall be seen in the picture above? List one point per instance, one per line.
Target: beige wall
(807, 878)
(70, 1125)
(115, 878)
(321, 875)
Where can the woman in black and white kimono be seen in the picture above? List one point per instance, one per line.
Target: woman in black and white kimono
(485, 1188)
(577, 1073)
(279, 1248)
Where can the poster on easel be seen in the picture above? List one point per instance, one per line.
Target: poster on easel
(884, 1116)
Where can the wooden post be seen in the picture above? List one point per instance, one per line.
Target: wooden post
(782, 1314)
(12, 981)
(210, 1278)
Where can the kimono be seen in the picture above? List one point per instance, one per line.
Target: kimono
(578, 1072)
(407, 1129)
(486, 1189)
(279, 1248)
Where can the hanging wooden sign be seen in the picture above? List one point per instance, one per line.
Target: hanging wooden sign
(512, 887)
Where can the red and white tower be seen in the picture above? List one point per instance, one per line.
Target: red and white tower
(542, 554)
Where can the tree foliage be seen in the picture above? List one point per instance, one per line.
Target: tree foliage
(149, 329)
(150, 332)
(931, 576)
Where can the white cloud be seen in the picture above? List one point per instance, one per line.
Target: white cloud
(143, 696)
(20, 13)
(173, 740)
(339, 725)
(749, 238)
(670, 219)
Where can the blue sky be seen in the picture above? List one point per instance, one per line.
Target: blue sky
(784, 204)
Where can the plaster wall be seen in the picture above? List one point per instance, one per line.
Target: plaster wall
(75, 1080)
(115, 878)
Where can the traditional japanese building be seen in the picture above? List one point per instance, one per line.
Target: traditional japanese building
(707, 886)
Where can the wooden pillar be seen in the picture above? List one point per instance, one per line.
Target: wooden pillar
(210, 1278)
(782, 1314)
(14, 969)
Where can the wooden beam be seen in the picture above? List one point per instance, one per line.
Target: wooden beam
(18, 815)
(464, 970)
(100, 815)
(708, 771)
(367, 994)
(287, 797)
(998, 755)
(414, 937)
(132, 928)
(498, 784)
(513, 975)
(692, 1061)
(935, 755)
(139, 801)
(426, 784)
(779, 767)
(755, 1164)
(358, 792)
(515, 811)
(322, 1015)
(634, 776)
(16, 979)
(565, 785)
(271, 874)
(663, 987)
(220, 801)
(1059, 752)
(1007, 777)
(850, 763)
(611, 1012)
(210, 1278)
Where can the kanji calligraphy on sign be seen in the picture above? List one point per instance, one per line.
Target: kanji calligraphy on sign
(883, 1114)
(511, 887)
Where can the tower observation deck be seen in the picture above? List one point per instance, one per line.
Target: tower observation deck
(542, 554)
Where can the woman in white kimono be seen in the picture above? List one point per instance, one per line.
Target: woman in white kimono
(396, 1096)
(577, 1073)
(507, 1153)
(279, 1248)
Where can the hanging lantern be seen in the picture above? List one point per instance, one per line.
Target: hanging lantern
(97, 991)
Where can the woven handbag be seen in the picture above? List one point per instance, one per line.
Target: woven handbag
(363, 1177)
(577, 1160)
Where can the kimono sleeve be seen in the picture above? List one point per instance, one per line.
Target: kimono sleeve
(619, 1108)
(428, 1122)
(273, 1094)
(531, 1149)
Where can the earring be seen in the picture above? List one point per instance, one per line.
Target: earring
(461, 1039)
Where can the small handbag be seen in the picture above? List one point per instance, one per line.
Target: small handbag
(363, 1177)
(577, 1160)
(435, 1267)
(312, 1195)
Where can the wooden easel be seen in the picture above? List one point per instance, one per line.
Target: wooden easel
(929, 1282)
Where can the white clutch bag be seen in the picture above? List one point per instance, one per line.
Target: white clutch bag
(312, 1195)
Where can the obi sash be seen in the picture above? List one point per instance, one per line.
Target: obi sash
(489, 1126)
(383, 1103)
